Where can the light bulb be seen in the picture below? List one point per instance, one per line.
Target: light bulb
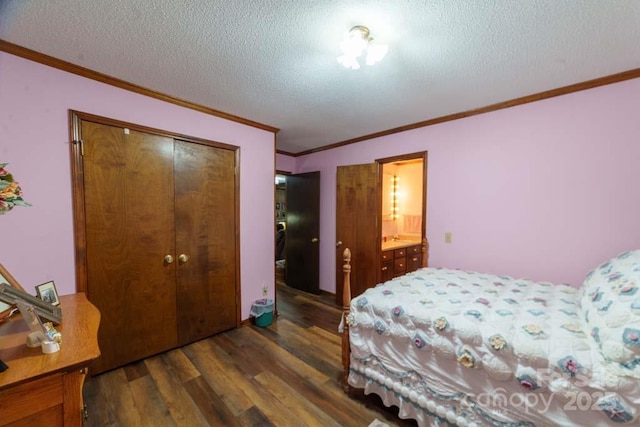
(355, 43)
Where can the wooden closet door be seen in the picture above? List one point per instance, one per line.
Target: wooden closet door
(205, 216)
(129, 206)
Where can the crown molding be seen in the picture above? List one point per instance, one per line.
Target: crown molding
(577, 87)
(41, 58)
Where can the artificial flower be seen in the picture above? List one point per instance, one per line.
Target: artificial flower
(10, 191)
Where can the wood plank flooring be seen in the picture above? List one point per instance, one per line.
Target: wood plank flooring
(287, 374)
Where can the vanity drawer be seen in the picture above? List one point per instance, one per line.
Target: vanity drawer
(387, 256)
(387, 271)
(414, 262)
(414, 250)
(399, 253)
(399, 266)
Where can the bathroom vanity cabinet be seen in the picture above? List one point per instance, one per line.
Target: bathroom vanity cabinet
(399, 261)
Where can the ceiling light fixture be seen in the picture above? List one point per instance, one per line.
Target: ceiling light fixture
(358, 42)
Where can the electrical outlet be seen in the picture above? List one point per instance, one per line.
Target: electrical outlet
(265, 290)
(448, 237)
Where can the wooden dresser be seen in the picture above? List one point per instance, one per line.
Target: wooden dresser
(46, 389)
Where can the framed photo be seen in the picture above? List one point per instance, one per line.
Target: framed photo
(6, 277)
(283, 205)
(278, 205)
(47, 292)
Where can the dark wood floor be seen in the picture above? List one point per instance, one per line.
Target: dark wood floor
(287, 374)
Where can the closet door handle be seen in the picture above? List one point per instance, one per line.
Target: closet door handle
(183, 258)
(314, 240)
(168, 259)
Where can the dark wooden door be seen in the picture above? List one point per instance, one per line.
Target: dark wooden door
(205, 186)
(129, 210)
(358, 226)
(303, 230)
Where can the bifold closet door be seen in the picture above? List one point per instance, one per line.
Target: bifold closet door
(129, 207)
(205, 218)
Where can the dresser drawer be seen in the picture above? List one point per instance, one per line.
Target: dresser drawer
(31, 398)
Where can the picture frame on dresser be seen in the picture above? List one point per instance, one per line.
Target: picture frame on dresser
(47, 292)
(11, 292)
(12, 296)
(5, 277)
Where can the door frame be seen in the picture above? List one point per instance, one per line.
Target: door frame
(424, 156)
(78, 195)
(376, 251)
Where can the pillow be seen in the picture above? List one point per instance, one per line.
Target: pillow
(611, 309)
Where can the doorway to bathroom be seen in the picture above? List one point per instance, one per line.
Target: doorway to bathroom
(369, 222)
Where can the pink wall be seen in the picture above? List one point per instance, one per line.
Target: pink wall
(36, 243)
(545, 190)
(285, 163)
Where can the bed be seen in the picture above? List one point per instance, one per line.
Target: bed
(451, 347)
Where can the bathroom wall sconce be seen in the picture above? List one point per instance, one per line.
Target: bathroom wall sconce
(395, 187)
(358, 42)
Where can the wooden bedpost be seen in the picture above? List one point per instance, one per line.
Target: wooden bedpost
(346, 304)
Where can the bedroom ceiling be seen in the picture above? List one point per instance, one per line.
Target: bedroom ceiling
(274, 61)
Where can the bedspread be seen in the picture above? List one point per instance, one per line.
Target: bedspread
(463, 348)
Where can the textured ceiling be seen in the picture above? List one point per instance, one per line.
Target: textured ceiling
(274, 61)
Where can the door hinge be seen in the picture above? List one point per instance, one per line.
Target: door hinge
(81, 144)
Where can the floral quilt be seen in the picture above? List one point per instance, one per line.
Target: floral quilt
(463, 348)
